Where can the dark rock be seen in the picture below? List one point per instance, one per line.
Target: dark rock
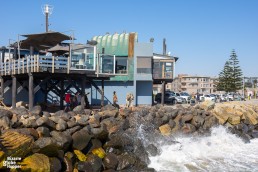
(197, 121)
(110, 161)
(29, 132)
(173, 113)
(95, 162)
(254, 134)
(68, 164)
(43, 132)
(125, 161)
(36, 110)
(59, 113)
(140, 152)
(46, 114)
(62, 139)
(108, 107)
(61, 125)
(109, 170)
(84, 166)
(47, 146)
(119, 140)
(70, 131)
(93, 144)
(165, 119)
(5, 123)
(157, 122)
(210, 121)
(66, 116)
(94, 121)
(188, 128)
(19, 111)
(108, 113)
(187, 118)
(71, 124)
(172, 123)
(71, 113)
(152, 150)
(46, 122)
(100, 133)
(55, 164)
(245, 138)
(80, 139)
(87, 112)
(78, 109)
(6, 113)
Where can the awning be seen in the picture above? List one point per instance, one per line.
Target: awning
(42, 41)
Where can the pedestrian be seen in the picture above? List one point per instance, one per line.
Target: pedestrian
(115, 100)
(198, 97)
(68, 102)
(78, 97)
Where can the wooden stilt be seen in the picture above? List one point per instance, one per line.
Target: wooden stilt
(62, 94)
(83, 103)
(14, 92)
(2, 87)
(102, 92)
(163, 93)
(31, 91)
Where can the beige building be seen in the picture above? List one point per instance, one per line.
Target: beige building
(192, 84)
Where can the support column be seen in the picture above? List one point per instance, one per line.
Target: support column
(62, 94)
(2, 87)
(102, 93)
(14, 92)
(162, 93)
(83, 103)
(31, 91)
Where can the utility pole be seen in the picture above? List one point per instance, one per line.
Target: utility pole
(47, 11)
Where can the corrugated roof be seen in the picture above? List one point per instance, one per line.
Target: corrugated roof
(116, 44)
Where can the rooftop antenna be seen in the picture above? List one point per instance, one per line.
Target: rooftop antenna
(47, 11)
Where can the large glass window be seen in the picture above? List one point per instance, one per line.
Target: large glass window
(121, 65)
(83, 58)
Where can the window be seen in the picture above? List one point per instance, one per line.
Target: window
(144, 65)
(121, 65)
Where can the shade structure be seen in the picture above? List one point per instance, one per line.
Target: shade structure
(59, 49)
(42, 41)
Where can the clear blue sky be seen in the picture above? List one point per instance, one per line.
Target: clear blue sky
(202, 33)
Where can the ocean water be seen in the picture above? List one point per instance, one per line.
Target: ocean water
(218, 152)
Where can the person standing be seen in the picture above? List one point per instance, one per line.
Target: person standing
(68, 102)
(115, 100)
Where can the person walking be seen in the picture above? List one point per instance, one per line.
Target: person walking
(68, 102)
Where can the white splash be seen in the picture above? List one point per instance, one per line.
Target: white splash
(221, 151)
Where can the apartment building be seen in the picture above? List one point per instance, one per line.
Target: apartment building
(192, 84)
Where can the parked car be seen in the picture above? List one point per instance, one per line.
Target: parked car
(186, 97)
(170, 98)
(207, 97)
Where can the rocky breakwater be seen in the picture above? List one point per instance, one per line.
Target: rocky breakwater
(106, 140)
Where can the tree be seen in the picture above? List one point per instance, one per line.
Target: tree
(230, 78)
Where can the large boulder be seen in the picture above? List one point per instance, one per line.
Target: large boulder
(110, 161)
(36, 110)
(47, 146)
(36, 162)
(62, 139)
(80, 139)
(16, 144)
(207, 105)
(165, 130)
(6, 113)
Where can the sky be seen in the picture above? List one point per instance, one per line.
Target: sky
(202, 33)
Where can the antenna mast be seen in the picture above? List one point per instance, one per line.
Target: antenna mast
(47, 11)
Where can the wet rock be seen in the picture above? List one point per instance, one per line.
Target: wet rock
(119, 140)
(234, 120)
(100, 133)
(152, 150)
(80, 139)
(188, 128)
(110, 161)
(36, 162)
(187, 118)
(197, 121)
(43, 132)
(47, 146)
(95, 162)
(210, 121)
(55, 164)
(165, 130)
(84, 166)
(254, 134)
(125, 161)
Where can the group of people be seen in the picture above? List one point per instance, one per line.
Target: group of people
(72, 101)
(129, 100)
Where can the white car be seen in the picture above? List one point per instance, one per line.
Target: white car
(186, 97)
(207, 97)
